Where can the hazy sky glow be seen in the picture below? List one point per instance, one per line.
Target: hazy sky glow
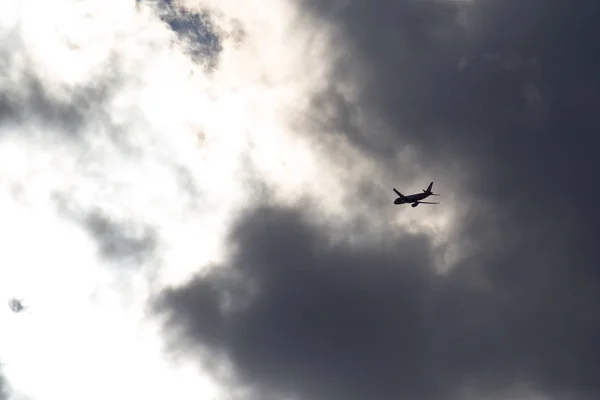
(196, 200)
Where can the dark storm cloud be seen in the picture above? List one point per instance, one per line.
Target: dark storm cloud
(409, 53)
(341, 322)
(335, 322)
(510, 90)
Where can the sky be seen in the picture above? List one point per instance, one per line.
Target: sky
(196, 199)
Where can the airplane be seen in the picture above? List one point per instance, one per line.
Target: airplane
(415, 199)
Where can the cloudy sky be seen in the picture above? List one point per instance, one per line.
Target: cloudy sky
(196, 199)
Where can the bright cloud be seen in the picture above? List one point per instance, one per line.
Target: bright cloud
(122, 164)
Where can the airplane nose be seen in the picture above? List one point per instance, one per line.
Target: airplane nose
(397, 201)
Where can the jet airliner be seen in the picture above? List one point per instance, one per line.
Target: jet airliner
(415, 199)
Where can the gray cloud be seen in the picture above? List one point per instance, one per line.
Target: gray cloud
(201, 38)
(27, 100)
(118, 241)
(16, 305)
(32, 102)
(122, 241)
(4, 388)
(340, 322)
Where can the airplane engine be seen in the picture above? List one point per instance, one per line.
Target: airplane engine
(414, 204)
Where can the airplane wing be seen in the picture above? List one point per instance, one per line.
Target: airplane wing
(400, 195)
(426, 202)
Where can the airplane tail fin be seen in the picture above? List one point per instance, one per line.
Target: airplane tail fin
(428, 190)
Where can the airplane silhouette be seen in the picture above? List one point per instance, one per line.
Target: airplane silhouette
(415, 199)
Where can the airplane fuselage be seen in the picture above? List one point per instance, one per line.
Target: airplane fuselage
(411, 198)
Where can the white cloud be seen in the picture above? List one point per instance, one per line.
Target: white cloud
(118, 123)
